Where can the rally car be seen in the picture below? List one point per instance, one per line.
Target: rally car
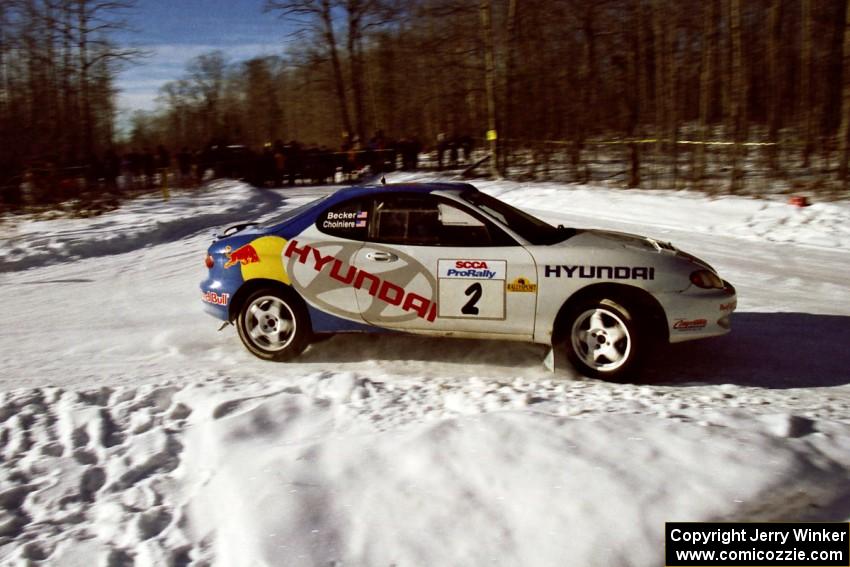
(445, 259)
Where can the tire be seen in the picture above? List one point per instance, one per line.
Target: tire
(603, 340)
(273, 326)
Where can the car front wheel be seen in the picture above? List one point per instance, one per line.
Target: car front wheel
(273, 327)
(603, 340)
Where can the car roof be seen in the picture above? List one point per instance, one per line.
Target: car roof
(361, 190)
(308, 216)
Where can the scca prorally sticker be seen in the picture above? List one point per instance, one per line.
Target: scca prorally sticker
(330, 268)
(472, 269)
(215, 298)
(472, 288)
(690, 325)
(522, 285)
(601, 272)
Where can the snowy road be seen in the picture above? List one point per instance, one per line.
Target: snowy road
(111, 376)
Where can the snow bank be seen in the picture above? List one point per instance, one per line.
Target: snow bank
(305, 473)
(137, 223)
(509, 488)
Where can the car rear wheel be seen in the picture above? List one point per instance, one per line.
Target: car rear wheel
(272, 326)
(604, 341)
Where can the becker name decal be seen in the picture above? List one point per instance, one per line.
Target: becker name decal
(346, 220)
(601, 272)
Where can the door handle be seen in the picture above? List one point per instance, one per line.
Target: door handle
(381, 257)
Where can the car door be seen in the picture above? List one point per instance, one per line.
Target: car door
(319, 261)
(431, 264)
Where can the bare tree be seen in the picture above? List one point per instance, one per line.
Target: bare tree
(316, 18)
(738, 95)
(486, 11)
(844, 130)
(806, 64)
(709, 41)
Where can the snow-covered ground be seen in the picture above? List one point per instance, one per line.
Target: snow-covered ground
(132, 432)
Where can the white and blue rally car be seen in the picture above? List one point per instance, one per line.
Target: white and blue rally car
(445, 259)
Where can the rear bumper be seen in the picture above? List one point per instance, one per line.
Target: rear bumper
(215, 300)
(699, 314)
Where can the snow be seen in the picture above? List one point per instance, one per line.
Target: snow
(132, 432)
(135, 224)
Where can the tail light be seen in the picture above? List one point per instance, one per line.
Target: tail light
(706, 279)
(209, 262)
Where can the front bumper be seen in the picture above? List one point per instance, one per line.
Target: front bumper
(698, 314)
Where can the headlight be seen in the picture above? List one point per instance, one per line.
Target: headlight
(706, 279)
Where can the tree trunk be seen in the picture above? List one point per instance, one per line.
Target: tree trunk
(673, 65)
(589, 116)
(510, 72)
(637, 64)
(844, 130)
(774, 89)
(660, 90)
(806, 110)
(485, 11)
(355, 61)
(336, 66)
(709, 39)
(738, 95)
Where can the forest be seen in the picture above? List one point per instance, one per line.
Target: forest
(716, 95)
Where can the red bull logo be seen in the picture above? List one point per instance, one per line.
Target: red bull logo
(214, 298)
(243, 255)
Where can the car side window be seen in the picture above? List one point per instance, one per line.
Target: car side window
(349, 220)
(424, 220)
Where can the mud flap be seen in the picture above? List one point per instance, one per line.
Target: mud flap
(556, 358)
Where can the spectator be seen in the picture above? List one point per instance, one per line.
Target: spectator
(442, 146)
(184, 165)
(163, 163)
(149, 165)
(112, 169)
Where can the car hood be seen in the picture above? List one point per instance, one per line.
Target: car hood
(634, 241)
(612, 240)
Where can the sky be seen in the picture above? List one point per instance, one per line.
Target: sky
(175, 31)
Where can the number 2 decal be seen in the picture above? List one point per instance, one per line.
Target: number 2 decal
(475, 291)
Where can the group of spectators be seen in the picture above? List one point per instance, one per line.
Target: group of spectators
(277, 164)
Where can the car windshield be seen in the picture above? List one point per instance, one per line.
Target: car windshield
(294, 212)
(530, 228)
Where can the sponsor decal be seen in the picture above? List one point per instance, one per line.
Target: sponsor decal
(346, 220)
(690, 325)
(270, 267)
(341, 274)
(243, 255)
(472, 269)
(522, 285)
(214, 298)
(729, 306)
(601, 272)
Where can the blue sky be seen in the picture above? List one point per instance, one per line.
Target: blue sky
(175, 31)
